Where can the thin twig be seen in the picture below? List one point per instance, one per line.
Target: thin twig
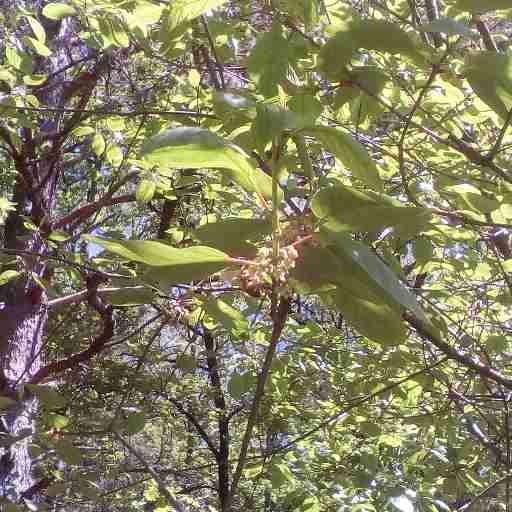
(171, 500)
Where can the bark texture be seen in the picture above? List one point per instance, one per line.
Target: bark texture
(23, 302)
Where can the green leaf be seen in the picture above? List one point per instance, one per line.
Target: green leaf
(37, 29)
(68, 453)
(271, 121)
(34, 80)
(11, 507)
(114, 155)
(268, 61)
(6, 402)
(228, 316)
(362, 87)
(135, 422)
(39, 47)
(375, 319)
(423, 250)
(7, 275)
(170, 265)
(307, 107)
(369, 34)
(240, 383)
(57, 11)
(335, 55)
(145, 191)
(231, 101)
(98, 144)
(490, 76)
(183, 11)
(197, 148)
(129, 296)
(381, 35)
(374, 268)
(118, 33)
(347, 209)
(19, 60)
(233, 235)
(322, 269)
(280, 474)
(57, 421)
(310, 504)
(496, 344)
(481, 6)
(47, 396)
(159, 254)
(186, 362)
(350, 152)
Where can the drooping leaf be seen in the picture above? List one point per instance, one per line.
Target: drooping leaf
(376, 319)
(39, 47)
(37, 29)
(323, 269)
(490, 76)
(199, 148)
(269, 59)
(350, 152)
(233, 236)
(347, 209)
(375, 269)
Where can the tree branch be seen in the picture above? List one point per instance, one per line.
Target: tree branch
(223, 421)
(278, 324)
(106, 313)
(86, 211)
(466, 360)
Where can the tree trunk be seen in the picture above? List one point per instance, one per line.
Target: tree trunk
(23, 309)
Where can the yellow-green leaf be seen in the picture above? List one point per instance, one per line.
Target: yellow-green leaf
(57, 10)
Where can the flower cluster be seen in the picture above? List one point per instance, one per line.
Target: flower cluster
(257, 277)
